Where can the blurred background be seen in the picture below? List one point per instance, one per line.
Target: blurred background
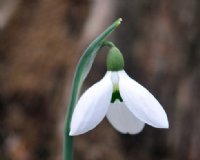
(41, 42)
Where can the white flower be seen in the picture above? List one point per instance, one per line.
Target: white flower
(126, 104)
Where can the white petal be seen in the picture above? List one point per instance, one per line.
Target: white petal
(92, 106)
(141, 102)
(123, 120)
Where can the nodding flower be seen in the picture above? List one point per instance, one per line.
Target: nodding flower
(126, 104)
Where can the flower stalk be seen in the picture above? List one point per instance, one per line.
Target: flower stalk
(81, 72)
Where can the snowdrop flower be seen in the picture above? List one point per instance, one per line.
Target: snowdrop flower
(126, 104)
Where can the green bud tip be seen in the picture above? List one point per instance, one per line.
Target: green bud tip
(118, 21)
(115, 60)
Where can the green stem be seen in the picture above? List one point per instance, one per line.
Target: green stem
(68, 147)
(81, 72)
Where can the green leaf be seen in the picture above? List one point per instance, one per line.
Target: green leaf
(81, 73)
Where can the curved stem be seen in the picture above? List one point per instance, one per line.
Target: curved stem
(81, 72)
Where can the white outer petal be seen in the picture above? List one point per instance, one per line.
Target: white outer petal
(141, 102)
(123, 120)
(92, 106)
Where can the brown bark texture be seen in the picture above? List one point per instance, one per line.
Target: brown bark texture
(41, 42)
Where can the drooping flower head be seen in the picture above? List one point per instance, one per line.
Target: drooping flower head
(126, 104)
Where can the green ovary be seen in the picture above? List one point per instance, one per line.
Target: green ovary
(115, 60)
